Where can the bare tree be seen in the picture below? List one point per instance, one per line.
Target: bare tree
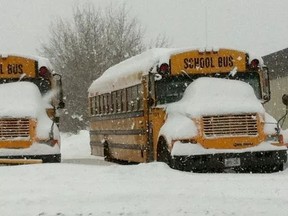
(82, 49)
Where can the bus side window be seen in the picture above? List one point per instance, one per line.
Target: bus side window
(118, 101)
(96, 105)
(124, 100)
(134, 98)
(101, 104)
(140, 97)
(109, 110)
(129, 99)
(105, 105)
(91, 107)
(113, 102)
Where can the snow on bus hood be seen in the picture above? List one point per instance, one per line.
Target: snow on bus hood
(208, 96)
(19, 99)
(23, 99)
(214, 96)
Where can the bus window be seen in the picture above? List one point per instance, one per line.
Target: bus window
(140, 97)
(171, 90)
(124, 100)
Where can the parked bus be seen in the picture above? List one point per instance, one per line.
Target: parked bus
(31, 96)
(178, 106)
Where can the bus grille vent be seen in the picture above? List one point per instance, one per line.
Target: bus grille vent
(14, 128)
(230, 125)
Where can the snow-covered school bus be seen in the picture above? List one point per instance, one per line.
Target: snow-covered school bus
(195, 109)
(31, 96)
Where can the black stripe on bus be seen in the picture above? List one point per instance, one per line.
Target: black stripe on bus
(119, 132)
(117, 115)
(119, 145)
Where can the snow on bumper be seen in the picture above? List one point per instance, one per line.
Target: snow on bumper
(34, 149)
(187, 149)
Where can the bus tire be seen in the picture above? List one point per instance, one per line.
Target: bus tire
(163, 154)
(107, 155)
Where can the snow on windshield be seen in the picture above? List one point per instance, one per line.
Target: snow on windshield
(214, 96)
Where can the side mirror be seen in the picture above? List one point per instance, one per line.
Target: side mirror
(151, 101)
(285, 99)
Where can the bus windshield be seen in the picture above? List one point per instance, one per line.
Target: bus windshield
(44, 85)
(171, 89)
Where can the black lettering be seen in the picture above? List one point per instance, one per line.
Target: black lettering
(207, 62)
(186, 63)
(15, 69)
(196, 62)
(20, 69)
(231, 62)
(202, 62)
(10, 69)
(1, 69)
(191, 63)
(225, 61)
(212, 64)
(220, 64)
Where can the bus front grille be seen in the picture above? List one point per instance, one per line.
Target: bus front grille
(230, 125)
(14, 128)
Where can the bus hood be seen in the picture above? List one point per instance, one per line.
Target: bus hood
(20, 99)
(24, 100)
(214, 96)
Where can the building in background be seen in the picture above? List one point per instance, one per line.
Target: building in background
(277, 63)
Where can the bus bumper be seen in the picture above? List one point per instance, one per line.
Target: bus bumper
(30, 159)
(260, 161)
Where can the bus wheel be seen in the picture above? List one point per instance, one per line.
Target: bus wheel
(163, 154)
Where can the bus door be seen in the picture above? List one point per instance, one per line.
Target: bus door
(156, 118)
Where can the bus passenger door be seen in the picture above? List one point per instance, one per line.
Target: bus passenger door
(155, 118)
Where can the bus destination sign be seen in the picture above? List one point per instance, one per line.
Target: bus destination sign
(15, 67)
(208, 62)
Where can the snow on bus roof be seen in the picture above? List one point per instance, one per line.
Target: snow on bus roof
(42, 61)
(130, 71)
(121, 74)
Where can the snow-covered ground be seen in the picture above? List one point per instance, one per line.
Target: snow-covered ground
(86, 185)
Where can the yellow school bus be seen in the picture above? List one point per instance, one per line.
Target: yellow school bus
(31, 96)
(132, 104)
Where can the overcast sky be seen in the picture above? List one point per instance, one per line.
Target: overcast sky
(257, 26)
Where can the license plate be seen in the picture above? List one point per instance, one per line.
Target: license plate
(232, 162)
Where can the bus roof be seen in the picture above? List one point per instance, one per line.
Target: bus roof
(130, 71)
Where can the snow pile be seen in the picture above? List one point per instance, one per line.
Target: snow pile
(178, 126)
(213, 96)
(75, 145)
(151, 189)
(270, 126)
